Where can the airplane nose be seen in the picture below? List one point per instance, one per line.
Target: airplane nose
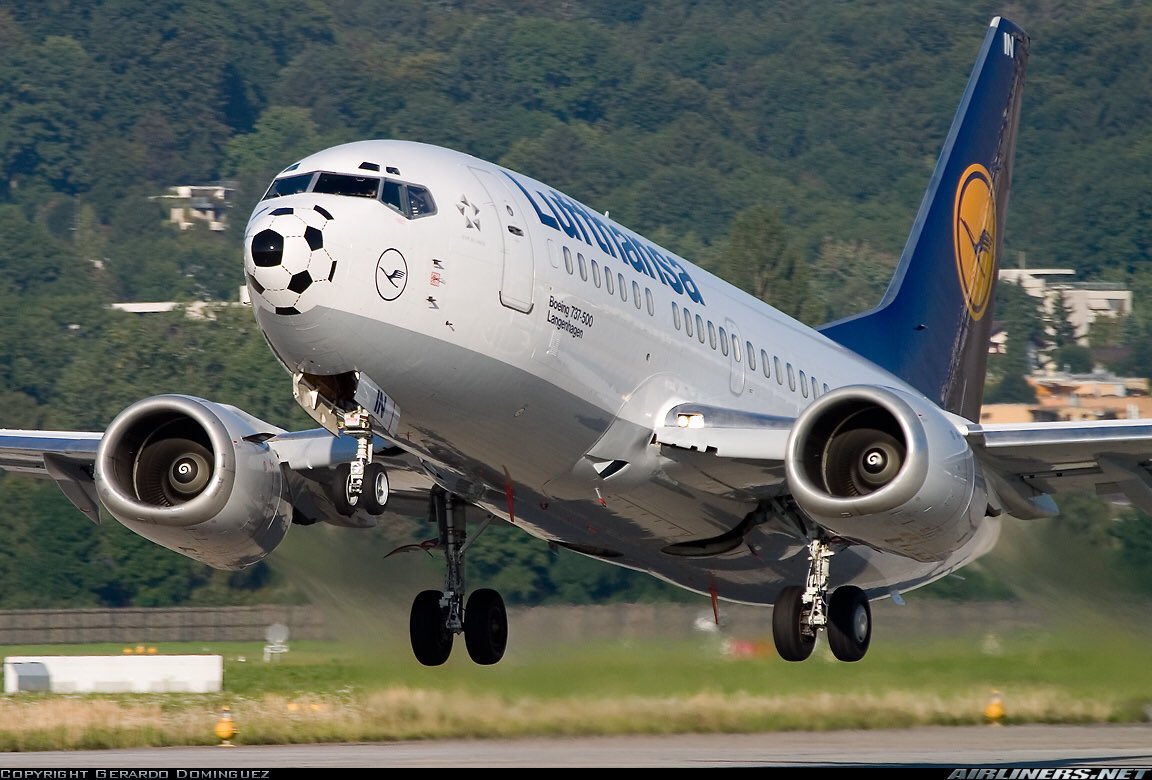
(286, 255)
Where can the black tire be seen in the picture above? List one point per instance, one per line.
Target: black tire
(428, 627)
(485, 626)
(339, 492)
(794, 638)
(849, 623)
(375, 494)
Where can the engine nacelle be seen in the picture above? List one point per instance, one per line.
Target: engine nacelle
(888, 469)
(195, 477)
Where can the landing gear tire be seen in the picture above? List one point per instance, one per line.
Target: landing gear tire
(428, 626)
(849, 623)
(485, 626)
(339, 490)
(375, 492)
(793, 636)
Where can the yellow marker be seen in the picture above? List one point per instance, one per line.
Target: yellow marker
(994, 711)
(225, 728)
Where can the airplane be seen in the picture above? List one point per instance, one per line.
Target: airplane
(468, 338)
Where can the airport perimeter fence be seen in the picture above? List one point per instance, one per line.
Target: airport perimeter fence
(130, 625)
(529, 625)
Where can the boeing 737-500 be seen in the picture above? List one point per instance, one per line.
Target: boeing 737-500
(469, 338)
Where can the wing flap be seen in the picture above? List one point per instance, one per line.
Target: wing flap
(1109, 457)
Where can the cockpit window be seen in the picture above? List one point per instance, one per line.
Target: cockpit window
(341, 184)
(393, 196)
(289, 185)
(409, 200)
(420, 201)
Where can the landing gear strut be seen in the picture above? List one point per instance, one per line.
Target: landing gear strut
(800, 613)
(437, 616)
(360, 484)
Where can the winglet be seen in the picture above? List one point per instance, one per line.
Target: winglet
(932, 326)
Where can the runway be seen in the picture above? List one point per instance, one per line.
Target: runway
(933, 747)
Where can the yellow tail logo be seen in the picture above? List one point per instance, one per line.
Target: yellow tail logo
(974, 237)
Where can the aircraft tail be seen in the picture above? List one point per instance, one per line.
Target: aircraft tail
(933, 324)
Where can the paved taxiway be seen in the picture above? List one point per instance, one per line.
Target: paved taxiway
(985, 746)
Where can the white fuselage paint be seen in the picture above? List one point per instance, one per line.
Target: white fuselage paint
(510, 357)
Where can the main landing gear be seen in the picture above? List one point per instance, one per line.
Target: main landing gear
(437, 616)
(800, 613)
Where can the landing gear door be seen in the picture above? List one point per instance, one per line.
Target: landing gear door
(517, 264)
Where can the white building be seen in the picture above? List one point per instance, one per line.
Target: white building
(1085, 301)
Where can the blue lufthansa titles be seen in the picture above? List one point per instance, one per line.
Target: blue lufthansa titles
(576, 221)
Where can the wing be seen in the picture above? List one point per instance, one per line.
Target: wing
(726, 452)
(1031, 460)
(209, 480)
(64, 456)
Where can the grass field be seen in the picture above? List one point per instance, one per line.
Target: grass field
(1079, 672)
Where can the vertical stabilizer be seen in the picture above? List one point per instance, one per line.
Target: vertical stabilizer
(933, 325)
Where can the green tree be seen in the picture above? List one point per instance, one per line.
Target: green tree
(1133, 535)
(847, 278)
(1063, 331)
(1022, 320)
(762, 258)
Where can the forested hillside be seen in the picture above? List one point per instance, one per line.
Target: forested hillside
(784, 145)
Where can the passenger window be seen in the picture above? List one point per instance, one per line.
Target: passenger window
(636, 294)
(803, 384)
(791, 379)
(779, 374)
(735, 347)
(676, 315)
(751, 355)
(595, 273)
(650, 302)
(724, 341)
(687, 322)
(815, 388)
(623, 287)
(568, 259)
(825, 387)
(764, 363)
(582, 265)
(700, 328)
(711, 335)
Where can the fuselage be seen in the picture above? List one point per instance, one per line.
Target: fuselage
(532, 345)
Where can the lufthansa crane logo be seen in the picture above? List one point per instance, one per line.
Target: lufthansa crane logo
(974, 237)
(391, 275)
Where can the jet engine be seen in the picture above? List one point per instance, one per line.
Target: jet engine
(888, 469)
(196, 477)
